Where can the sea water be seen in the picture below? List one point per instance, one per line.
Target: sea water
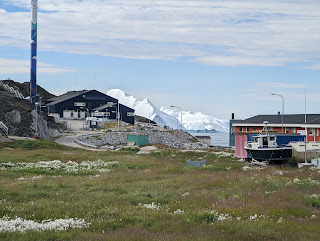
(217, 139)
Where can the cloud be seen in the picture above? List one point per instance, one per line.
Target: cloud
(312, 67)
(17, 66)
(228, 33)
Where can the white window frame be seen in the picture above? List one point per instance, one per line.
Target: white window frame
(130, 113)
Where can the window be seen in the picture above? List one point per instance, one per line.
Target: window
(272, 138)
(240, 128)
(247, 129)
(293, 130)
(311, 131)
(253, 128)
(270, 128)
(130, 114)
(287, 130)
(318, 132)
(265, 141)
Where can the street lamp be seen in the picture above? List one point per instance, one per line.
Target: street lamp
(282, 107)
(173, 106)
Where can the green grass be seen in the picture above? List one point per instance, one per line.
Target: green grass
(258, 204)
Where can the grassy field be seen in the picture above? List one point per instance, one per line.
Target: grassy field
(154, 196)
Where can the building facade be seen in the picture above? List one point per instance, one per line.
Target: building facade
(86, 103)
(292, 125)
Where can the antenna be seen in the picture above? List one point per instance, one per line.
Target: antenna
(94, 79)
(75, 82)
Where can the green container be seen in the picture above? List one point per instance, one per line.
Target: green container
(142, 140)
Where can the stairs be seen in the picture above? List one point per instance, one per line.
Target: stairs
(11, 90)
(4, 128)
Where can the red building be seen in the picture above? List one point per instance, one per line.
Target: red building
(292, 124)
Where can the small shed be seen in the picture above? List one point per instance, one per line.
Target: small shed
(312, 150)
(138, 140)
(204, 139)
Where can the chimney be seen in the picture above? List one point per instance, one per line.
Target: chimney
(278, 112)
(232, 116)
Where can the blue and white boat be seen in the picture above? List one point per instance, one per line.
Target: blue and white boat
(264, 147)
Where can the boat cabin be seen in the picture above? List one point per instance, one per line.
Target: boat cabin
(263, 141)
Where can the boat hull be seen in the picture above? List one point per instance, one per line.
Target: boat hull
(270, 154)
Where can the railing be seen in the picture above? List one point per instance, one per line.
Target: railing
(4, 128)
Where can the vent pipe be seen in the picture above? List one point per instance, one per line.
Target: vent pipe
(33, 63)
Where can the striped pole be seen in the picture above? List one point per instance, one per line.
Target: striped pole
(33, 69)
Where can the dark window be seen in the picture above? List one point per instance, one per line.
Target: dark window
(265, 141)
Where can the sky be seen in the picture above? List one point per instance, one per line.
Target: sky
(214, 57)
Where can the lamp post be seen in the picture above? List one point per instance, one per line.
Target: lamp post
(282, 107)
(173, 106)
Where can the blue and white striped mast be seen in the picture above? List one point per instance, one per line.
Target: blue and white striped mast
(33, 67)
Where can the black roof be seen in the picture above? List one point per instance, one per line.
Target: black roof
(106, 106)
(66, 96)
(102, 107)
(287, 119)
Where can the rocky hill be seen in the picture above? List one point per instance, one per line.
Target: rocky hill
(21, 117)
(24, 89)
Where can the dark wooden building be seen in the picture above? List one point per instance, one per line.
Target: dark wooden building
(85, 103)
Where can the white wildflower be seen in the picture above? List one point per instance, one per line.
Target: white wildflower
(178, 212)
(253, 217)
(56, 165)
(151, 206)
(247, 168)
(23, 225)
(278, 172)
(314, 196)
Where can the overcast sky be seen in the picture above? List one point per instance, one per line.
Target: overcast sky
(216, 57)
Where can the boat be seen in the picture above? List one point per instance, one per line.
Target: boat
(264, 147)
